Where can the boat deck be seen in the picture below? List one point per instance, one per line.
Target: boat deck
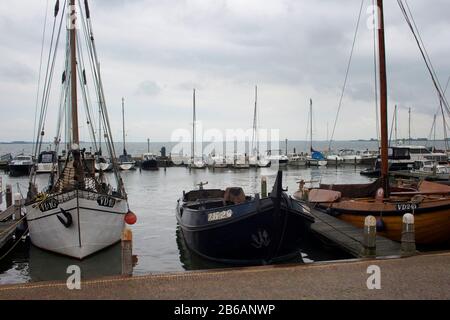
(349, 238)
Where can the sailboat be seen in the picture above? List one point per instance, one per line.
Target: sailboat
(429, 202)
(316, 158)
(195, 163)
(125, 159)
(255, 159)
(79, 212)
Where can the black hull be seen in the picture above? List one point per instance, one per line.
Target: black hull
(149, 165)
(19, 170)
(255, 236)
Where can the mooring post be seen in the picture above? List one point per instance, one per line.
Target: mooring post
(17, 206)
(263, 187)
(8, 196)
(127, 252)
(370, 235)
(408, 235)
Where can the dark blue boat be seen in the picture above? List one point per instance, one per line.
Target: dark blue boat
(228, 227)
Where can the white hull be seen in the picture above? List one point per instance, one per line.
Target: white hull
(317, 163)
(127, 166)
(45, 168)
(103, 166)
(94, 227)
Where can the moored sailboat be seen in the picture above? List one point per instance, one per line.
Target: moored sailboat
(79, 212)
(429, 202)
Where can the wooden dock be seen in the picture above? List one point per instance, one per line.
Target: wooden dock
(7, 225)
(349, 238)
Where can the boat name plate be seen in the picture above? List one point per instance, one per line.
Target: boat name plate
(407, 206)
(221, 215)
(106, 201)
(48, 205)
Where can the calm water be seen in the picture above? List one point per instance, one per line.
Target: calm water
(157, 244)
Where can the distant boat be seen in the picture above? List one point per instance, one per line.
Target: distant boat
(5, 160)
(276, 157)
(297, 160)
(256, 159)
(149, 162)
(21, 165)
(102, 164)
(350, 156)
(229, 227)
(126, 162)
(195, 163)
(47, 162)
(316, 159)
(218, 162)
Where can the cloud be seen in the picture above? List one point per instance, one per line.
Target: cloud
(149, 88)
(155, 52)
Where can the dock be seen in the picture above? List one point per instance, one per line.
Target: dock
(347, 237)
(425, 279)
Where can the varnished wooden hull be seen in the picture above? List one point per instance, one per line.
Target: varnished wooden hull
(432, 218)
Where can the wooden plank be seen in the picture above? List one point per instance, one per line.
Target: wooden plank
(348, 237)
(7, 213)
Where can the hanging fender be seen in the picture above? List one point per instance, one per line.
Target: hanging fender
(68, 216)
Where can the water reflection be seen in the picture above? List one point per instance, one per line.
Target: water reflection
(45, 266)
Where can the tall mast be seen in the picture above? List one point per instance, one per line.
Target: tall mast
(193, 127)
(409, 125)
(73, 72)
(383, 100)
(123, 126)
(255, 141)
(310, 124)
(395, 123)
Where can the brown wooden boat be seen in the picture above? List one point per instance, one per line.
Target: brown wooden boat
(429, 202)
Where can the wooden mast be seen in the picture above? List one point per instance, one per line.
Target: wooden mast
(73, 72)
(383, 100)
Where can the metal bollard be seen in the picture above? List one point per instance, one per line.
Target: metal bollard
(370, 237)
(17, 206)
(127, 252)
(408, 235)
(263, 187)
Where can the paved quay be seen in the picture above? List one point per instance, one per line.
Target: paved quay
(425, 276)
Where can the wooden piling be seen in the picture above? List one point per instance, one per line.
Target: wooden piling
(408, 235)
(127, 252)
(370, 236)
(8, 196)
(17, 206)
(263, 187)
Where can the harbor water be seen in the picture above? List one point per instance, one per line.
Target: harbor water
(157, 243)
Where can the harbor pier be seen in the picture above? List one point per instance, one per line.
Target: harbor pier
(423, 276)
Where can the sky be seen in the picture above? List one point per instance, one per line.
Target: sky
(153, 53)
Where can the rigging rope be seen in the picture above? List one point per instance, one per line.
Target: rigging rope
(39, 76)
(346, 74)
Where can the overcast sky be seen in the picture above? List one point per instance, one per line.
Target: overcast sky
(154, 52)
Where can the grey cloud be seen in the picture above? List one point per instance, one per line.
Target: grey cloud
(149, 88)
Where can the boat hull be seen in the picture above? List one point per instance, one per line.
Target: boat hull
(19, 170)
(252, 235)
(93, 226)
(432, 220)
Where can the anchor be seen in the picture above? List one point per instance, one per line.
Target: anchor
(68, 216)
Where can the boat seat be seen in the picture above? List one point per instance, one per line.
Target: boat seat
(234, 195)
